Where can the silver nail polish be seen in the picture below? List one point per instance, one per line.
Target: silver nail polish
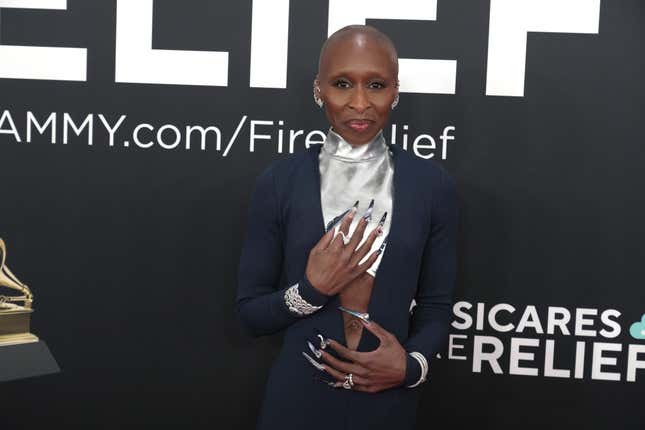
(364, 316)
(313, 362)
(324, 343)
(313, 349)
(382, 247)
(331, 224)
(382, 220)
(367, 216)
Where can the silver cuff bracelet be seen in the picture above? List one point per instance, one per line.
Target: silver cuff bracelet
(296, 303)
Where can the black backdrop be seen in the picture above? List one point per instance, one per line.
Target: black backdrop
(132, 252)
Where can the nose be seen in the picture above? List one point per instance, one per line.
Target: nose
(359, 100)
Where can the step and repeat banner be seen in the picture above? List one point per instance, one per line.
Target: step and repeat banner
(131, 133)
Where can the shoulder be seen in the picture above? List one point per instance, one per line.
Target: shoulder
(433, 184)
(427, 173)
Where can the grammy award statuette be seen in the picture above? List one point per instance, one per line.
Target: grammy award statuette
(15, 309)
(22, 354)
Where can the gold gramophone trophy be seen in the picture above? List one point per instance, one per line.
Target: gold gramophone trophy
(15, 309)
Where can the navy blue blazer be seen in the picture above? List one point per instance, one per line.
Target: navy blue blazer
(285, 222)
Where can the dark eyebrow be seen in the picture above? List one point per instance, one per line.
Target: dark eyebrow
(346, 75)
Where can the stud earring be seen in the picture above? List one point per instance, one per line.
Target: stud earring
(395, 102)
(317, 98)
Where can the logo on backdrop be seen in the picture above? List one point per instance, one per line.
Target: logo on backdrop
(199, 137)
(136, 62)
(637, 330)
(555, 342)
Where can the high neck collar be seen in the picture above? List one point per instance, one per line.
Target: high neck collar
(341, 149)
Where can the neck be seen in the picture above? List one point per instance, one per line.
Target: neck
(336, 146)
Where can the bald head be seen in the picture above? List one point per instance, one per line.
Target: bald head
(357, 81)
(359, 36)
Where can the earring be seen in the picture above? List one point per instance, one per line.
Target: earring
(395, 102)
(317, 98)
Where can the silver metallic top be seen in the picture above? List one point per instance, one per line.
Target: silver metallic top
(357, 172)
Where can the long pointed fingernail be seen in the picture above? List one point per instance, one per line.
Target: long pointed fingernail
(321, 338)
(336, 220)
(367, 216)
(384, 243)
(313, 349)
(352, 210)
(382, 220)
(361, 315)
(324, 342)
(325, 381)
(313, 362)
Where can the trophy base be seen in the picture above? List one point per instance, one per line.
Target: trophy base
(17, 339)
(14, 327)
(25, 360)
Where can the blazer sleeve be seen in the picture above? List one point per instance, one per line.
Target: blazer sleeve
(260, 302)
(431, 316)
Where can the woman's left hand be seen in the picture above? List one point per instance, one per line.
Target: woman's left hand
(371, 371)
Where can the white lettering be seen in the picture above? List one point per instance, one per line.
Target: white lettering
(492, 317)
(452, 346)
(510, 22)
(459, 312)
(517, 355)
(253, 137)
(549, 369)
(203, 132)
(309, 139)
(135, 136)
(553, 321)
(137, 62)
(6, 116)
(37, 62)
(111, 130)
(582, 322)
(530, 319)
(615, 327)
(491, 357)
(174, 130)
(599, 360)
(51, 121)
(633, 362)
(416, 145)
(416, 75)
(445, 137)
(269, 43)
(69, 122)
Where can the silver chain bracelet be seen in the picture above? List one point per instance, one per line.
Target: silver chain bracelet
(424, 367)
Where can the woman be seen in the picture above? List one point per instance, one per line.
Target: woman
(352, 354)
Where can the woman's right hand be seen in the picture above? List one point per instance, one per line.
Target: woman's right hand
(332, 265)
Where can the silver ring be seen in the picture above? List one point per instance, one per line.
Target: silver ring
(346, 239)
(349, 381)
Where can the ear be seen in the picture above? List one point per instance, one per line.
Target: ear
(395, 101)
(317, 96)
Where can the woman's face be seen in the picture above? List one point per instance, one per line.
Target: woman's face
(358, 82)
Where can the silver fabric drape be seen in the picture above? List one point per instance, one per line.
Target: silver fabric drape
(362, 172)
